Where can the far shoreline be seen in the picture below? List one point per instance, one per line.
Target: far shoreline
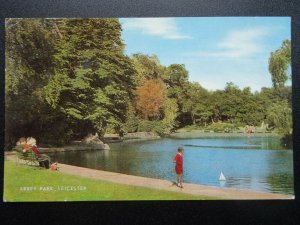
(200, 134)
(149, 136)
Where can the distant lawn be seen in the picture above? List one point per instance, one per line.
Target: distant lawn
(19, 180)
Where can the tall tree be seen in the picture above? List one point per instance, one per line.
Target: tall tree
(170, 109)
(93, 79)
(29, 65)
(279, 62)
(279, 116)
(147, 67)
(196, 103)
(177, 75)
(177, 83)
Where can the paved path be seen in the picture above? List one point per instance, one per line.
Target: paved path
(194, 189)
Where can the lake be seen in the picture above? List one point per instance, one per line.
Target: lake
(253, 163)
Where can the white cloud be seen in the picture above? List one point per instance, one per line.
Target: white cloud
(163, 27)
(239, 44)
(240, 56)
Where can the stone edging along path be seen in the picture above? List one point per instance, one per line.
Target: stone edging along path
(193, 189)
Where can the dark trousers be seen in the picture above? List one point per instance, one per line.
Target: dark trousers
(45, 164)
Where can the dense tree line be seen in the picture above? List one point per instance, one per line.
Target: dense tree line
(66, 78)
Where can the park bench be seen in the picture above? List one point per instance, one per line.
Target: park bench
(29, 158)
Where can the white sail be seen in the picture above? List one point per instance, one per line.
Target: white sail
(222, 177)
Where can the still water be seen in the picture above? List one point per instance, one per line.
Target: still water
(255, 163)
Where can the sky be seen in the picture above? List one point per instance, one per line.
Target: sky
(215, 50)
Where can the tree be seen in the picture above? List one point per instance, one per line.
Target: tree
(251, 111)
(93, 79)
(170, 109)
(150, 99)
(196, 103)
(147, 67)
(279, 62)
(279, 115)
(177, 75)
(231, 102)
(132, 122)
(177, 86)
(29, 65)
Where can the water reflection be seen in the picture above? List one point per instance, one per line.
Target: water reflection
(247, 163)
(239, 182)
(222, 183)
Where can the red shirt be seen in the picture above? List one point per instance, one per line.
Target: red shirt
(35, 150)
(179, 163)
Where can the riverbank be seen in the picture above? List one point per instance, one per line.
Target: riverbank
(79, 147)
(200, 134)
(108, 138)
(182, 133)
(111, 138)
(164, 185)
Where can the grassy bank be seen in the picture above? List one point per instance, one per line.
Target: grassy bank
(26, 183)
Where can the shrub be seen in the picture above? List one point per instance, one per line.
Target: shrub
(153, 126)
(222, 127)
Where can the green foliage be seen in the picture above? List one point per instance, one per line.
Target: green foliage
(176, 75)
(93, 80)
(279, 115)
(67, 72)
(132, 123)
(152, 126)
(178, 87)
(279, 62)
(147, 67)
(197, 104)
(170, 114)
(222, 127)
(29, 65)
(66, 78)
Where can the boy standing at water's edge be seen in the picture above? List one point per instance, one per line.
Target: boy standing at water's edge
(178, 159)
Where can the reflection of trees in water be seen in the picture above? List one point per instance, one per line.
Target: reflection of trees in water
(91, 159)
(280, 177)
(238, 182)
(287, 141)
(96, 158)
(266, 143)
(270, 171)
(281, 183)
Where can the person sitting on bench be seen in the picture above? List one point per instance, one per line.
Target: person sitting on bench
(45, 162)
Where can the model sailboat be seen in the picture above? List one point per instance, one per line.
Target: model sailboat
(222, 177)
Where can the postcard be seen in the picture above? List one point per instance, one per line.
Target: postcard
(169, 108)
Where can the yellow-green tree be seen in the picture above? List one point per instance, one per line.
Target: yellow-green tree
(279, 62)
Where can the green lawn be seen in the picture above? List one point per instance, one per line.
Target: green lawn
(26, 183)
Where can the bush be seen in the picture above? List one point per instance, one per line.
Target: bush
(153, 126)
(132, 123)
(193, 127)
(222, 127)
(110, 130)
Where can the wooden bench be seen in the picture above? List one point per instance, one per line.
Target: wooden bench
(29, 158)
